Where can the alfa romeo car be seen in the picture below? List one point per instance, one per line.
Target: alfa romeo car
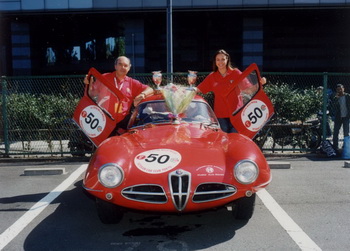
(171, 161)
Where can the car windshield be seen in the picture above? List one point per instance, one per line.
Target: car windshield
(156, 112)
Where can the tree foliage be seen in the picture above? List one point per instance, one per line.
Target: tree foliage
(28, 113)
(294, 104)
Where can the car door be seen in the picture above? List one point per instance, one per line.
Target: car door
(254, 108)
(100, 109)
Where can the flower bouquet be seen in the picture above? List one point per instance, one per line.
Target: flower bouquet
(177, 99)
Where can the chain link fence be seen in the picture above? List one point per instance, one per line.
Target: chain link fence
(36, 112)
(304, 111)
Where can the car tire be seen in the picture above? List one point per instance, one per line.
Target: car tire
(244, 208)
(108, 212)
(314, 139)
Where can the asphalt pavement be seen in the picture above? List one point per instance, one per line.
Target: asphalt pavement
(313, 194)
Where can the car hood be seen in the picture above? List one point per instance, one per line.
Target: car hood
(165, 148)
(188, 146)
(183, 135)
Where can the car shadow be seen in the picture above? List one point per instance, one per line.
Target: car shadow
(74, 225)
(18, 203)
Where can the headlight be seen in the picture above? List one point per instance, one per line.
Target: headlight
(246, 171)
(110, 175)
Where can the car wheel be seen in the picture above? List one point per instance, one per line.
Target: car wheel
(244, 208)
(314, 139)
(108, 212)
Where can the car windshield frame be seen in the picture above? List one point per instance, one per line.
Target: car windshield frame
(156, 112)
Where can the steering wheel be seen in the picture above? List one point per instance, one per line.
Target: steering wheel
(150, 116)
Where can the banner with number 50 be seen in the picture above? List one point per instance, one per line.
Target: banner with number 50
(95, 113)
(254, 108)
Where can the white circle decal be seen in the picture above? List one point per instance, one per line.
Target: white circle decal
(157, 160)
(92, 120)
(254, 115)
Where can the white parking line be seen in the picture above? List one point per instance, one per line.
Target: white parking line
(294, 231)
(9, 234)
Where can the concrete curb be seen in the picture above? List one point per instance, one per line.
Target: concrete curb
(44, 171)
(44, 159)
(346, 164)
(279, 164)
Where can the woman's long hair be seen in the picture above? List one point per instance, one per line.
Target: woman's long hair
(228, 65)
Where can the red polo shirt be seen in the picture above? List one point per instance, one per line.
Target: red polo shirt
(129, 87)
(224, 105)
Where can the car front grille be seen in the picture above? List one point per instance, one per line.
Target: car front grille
(145, 193)
(213, 191)
(179, 183)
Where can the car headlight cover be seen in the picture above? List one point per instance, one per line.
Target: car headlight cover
(110, 175)
(246, 171)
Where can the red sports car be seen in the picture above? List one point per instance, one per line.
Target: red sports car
(175, 163)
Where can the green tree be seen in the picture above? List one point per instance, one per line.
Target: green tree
(293, 104)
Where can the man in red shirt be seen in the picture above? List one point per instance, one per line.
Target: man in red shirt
(133, 90)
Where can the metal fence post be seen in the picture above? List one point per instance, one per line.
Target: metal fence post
(324, 105)
(4, 116)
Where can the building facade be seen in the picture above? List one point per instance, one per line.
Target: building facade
(51, 37)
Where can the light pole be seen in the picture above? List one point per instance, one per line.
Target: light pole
(170, 39)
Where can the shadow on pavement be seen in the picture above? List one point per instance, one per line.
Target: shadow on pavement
(74, 225)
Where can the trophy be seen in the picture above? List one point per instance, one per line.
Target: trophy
(191, 78)
(157, 78)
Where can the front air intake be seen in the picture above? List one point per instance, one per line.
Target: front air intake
(179, 183)
(213, 191)
(148, 193)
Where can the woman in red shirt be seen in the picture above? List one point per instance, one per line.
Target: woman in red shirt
(219, 82)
